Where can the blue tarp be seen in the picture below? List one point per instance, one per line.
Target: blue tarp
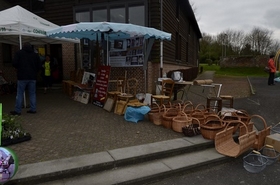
(135, 114)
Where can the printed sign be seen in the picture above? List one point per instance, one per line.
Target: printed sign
(101, 86)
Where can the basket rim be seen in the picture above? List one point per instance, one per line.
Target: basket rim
(255, 165)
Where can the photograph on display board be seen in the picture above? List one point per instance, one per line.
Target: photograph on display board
(136, 42)
(128, 43)
(134, 60)
(139, 51)
(132, 43)
(128, 61)
(141, 39)
(140, 60)
(134, 52)
(88, 79)
(118, 44)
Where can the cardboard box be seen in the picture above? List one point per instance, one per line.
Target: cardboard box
(273, 140)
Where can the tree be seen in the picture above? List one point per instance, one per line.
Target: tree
(260, 40)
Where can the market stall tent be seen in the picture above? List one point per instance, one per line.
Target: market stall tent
(110, 31)
(18, 25)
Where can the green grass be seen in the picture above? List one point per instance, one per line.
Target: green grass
(235, 71)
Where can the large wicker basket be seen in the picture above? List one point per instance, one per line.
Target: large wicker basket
(181, 121)
(258, 121)
(226, 145)
(213, 124)
(168, 115)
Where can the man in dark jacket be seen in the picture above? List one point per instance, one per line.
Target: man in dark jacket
(27, 64)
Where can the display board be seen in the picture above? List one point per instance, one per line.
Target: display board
(127, 53)
(101, 85)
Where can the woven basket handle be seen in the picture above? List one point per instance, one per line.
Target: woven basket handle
(200, 107)
(215, 117)
(256, 152)
(182, 113)
(238, 121)
(269, 146)
(198, 122)
(261, 118)
(188, 105)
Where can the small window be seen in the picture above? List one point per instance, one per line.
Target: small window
(117, 14)
(7, 53)
(136, 15)
(99, 15)
(82, 16)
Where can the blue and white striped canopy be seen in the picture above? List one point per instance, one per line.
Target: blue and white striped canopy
(94, 30)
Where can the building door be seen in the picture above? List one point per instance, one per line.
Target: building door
(56, 57)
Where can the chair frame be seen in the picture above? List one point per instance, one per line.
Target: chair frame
(166, 92)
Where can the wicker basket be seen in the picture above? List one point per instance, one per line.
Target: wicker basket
(193, 129)
(270, 153)
(228, 117)
(226, 145)
(259, 121)
(198, 114)
(168, 115)
(188, 107)
(243, 116)
(180, 121)
(213, 124)
(155, 115)
(254, 163)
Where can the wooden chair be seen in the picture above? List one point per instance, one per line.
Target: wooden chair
(120, 88)
(166, 93)
(131, 90)
(113, 95)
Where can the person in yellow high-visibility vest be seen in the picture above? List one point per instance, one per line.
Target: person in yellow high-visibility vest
(47, 71)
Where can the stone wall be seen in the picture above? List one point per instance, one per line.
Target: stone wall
(245, 61)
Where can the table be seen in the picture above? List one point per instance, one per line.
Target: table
(186, 86)
(179, 86)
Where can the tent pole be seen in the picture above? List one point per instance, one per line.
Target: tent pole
(80, 53)
(161, 42)
(24, 96)
(108, 50)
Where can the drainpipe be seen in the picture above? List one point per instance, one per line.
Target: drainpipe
(161, 42)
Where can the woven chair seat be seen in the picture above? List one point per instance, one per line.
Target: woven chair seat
(160, 96)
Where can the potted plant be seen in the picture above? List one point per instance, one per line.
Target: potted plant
(12, 131)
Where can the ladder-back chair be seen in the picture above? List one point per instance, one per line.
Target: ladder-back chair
(166, 93)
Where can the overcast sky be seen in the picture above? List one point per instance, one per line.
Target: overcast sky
(216, 16)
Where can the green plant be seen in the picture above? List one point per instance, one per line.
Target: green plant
(11, 127)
